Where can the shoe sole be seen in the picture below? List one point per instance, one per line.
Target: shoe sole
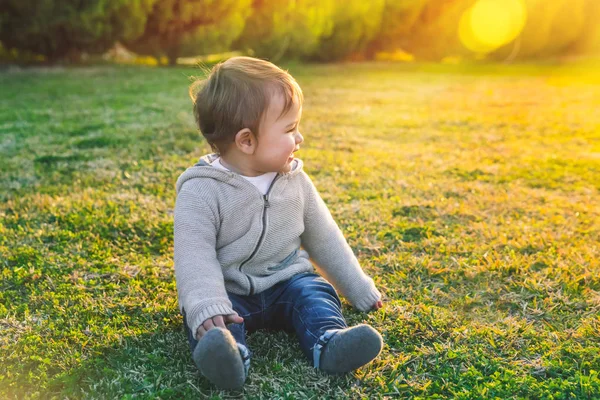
(218, 362)
(362, 337)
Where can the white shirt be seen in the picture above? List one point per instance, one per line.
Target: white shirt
(262, 182)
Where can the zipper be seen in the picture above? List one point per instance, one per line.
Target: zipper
(262, 232)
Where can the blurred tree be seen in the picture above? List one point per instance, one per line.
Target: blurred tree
(63, 29)
(323, 30)
(177, 28)
(435, 34)
(286, 29)
(355, 24)
(429, 29)
(552, 27)
(398, 20)
(589, 40)
(557, 27)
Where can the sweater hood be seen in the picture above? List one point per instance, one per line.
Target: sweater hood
(203, 169)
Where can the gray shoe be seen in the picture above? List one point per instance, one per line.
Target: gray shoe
(350, 348)
(219, 360)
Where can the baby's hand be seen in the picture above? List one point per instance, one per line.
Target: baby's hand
(218, 320)
(378, 305)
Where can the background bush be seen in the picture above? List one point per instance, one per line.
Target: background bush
(324, 30)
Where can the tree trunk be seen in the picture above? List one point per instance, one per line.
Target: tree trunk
(172, 53)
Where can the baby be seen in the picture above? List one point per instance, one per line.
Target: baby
(249, 224)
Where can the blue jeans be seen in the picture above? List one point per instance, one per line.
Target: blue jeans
(306, 304)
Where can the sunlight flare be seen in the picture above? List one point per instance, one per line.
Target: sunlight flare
(490, 24)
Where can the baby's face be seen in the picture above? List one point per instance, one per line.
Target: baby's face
(279, 137)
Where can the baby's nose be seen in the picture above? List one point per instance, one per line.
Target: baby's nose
(299, 138)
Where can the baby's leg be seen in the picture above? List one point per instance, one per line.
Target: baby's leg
(238, 331)
(215, 357)
(310, 306)
(218, 358)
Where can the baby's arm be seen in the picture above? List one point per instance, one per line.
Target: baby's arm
(327, 247)
(200, 283)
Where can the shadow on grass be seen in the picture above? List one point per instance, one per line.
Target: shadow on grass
(159, 365)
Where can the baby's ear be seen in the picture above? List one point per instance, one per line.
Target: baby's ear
(245, 141)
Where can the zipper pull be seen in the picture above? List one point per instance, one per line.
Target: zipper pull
(266, 201)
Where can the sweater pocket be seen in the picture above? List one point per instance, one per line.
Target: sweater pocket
(285, 263)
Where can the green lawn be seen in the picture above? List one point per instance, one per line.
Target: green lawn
(471, 195)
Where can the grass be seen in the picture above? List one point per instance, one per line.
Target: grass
(471, 195)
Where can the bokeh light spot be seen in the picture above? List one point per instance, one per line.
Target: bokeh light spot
(490, 24)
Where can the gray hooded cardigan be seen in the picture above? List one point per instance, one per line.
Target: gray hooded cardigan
(231, 237)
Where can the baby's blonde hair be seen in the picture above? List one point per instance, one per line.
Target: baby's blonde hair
(236, 94)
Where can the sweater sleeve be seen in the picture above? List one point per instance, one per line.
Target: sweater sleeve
(327, 247)
(198, 274)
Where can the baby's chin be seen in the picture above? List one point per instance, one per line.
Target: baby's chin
(287, 167)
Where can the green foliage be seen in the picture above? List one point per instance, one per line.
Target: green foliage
(355, 24)
(290, 29)
(589, 41)
(178, 28)
(398, 20)
(435, 36)
(471, 195)
(63, 29)
(556, 27)
(322, 30)
(429, 29)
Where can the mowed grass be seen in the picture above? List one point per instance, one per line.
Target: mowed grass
(471, 195)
